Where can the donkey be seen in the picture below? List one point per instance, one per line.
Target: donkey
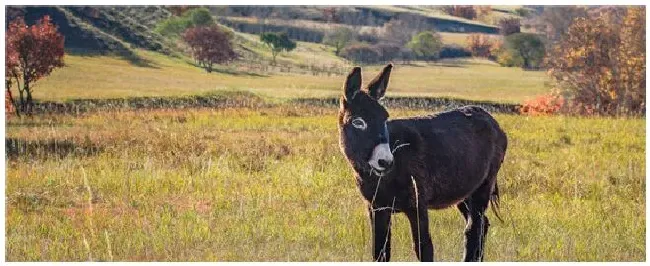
(414, 164)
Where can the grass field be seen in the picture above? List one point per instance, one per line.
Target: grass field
(110, 77)
(270, 185)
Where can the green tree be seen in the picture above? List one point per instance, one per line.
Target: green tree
(528, 46)
(277, 42)
(426, 45)
(339, 38)
(172, 27)
(199, 17)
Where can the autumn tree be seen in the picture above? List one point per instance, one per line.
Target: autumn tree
(509, 26)
(32, 52)
(467, 12)
(479, 45)
(210, 45)
(277, 42)
(339, 38)
(600, 63)
(426, 45)
(397, 31)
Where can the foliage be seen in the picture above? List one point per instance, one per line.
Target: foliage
(339, 38)
(522, 12)
(192, 17)
(210, 45)
(555, 20)
(467, 12)
(397, 31)
(479, 45)
(547, 104)
(361, 53)
(526, 48)
(600, 63)
(426, 45)
(277, 42)
(32, 52)
(509, 26)
(172, 26)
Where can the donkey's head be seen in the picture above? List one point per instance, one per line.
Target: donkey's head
(362, 123)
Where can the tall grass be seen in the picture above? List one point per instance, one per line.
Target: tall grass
(269, 184)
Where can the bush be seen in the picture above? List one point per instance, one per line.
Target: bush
(547, 104)
(467, 12)
(509, 26)
(388, 51)
(361, 53)
(174, 26)
(426, 45)
(479, 45)
(528, 46)
(199, 17)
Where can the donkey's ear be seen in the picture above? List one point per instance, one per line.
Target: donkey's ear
(352, 84)
(377, 87)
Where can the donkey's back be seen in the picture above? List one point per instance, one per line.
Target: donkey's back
(452, 153)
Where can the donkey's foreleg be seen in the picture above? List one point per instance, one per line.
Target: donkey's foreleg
(419, 220)
(380, 223)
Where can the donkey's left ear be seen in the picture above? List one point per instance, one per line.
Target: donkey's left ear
(377, 87)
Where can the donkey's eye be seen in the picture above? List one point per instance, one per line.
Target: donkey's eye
(359, 123)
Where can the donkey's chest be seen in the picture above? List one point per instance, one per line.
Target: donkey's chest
(385, 192)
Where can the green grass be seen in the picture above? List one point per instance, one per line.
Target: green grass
(110, 77)
(271, 185)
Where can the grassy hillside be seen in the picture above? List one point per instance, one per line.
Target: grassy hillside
(110, 77)
(271, 185)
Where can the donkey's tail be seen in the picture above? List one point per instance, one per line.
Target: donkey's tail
(495, 201)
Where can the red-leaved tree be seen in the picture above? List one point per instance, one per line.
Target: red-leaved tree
(32, 52)
(210, 45)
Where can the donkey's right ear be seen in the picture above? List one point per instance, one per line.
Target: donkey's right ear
(352, 84)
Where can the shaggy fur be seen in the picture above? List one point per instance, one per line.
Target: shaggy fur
(441, 160)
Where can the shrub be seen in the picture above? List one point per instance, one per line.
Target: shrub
(479, 45)
(387, 51)
(361, 53)
(547, 104)
(467, 12)
(426, 45)
(199, 17)
(528, 46)
(509, 26)
(172, 27)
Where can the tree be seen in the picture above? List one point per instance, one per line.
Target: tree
(600, 63)
(199, 17)
(192, 17)
(509, 26)
(555, 20)
(397, 31)
(339, 38)
(277, 42)
(426, 45)
(210, 45)
(32, 53)
(528, 46)
(361, 53)
(467, 12)
(479, 45)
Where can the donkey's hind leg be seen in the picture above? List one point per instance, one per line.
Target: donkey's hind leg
(473, 210)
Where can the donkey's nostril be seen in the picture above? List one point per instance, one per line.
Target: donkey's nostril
(384, 163)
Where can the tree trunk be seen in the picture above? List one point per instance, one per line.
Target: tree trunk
(13, 103)
(30, 101)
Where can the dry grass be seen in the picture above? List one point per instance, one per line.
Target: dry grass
(109, 77)
(271, 185)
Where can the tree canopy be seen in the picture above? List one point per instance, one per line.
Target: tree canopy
(277, 42)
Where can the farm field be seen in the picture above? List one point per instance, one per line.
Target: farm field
(112, 77)
(269, 184)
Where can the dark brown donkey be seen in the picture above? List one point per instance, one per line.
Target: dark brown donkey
(414, 164)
